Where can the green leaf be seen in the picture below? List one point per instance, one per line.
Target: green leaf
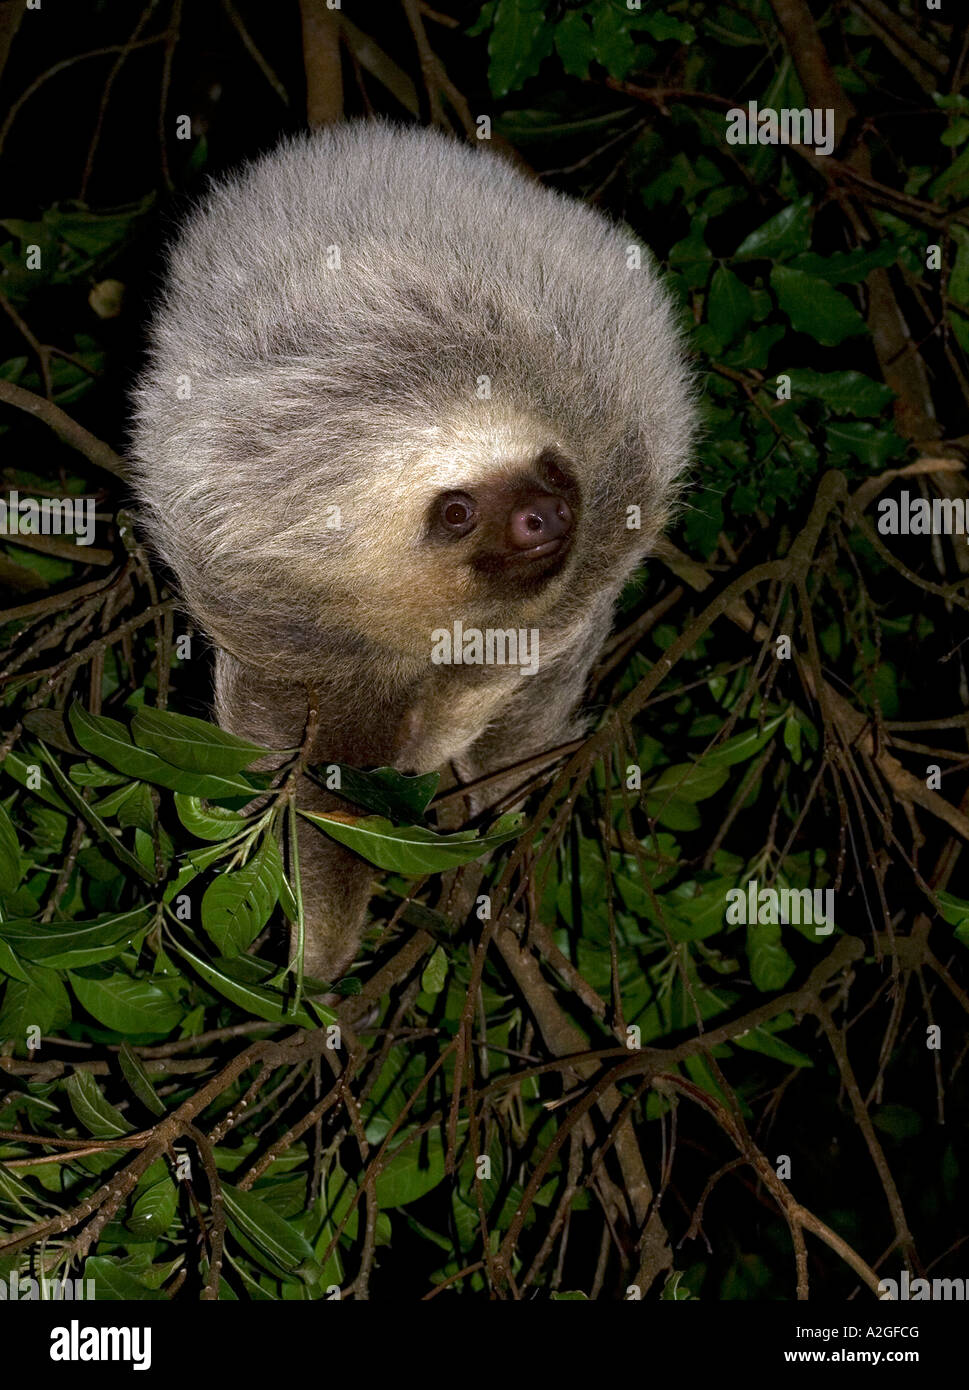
(90, 232)
(385, 791)
(49, 832)
(125, 1004)
(847, 393)
(813, 307)
(435, 972)
(40, 1002)
(186, 874)
(202, 859)
(689, 915)
(91, 774)
(276, 1237)
(287, 900)
(688, 781)
(762, 1039)
(959, 279)
(847, 267)
(137, 809)
(145, 848)
(193, 744)
(954, 910)
(673, 813)
(208, 822)
(662, 26)
(139, 1080)
(155, 1206)
(48, 725)
(614, 46)
(19, 769)
(879, 685)
(9, 964)
(92, 1110)
(899, 1121)
(412, 1171)
(114, 1284)
(413, 849)
(109, 740)
(753, 349)
(88, 813)
(743, 746)
(10, 866)
(573, 43)
(872, 445)
(68, 945)
(671, 798)
(730, 304)
(953, 181)
(770, 965)
(254, 999)
(110, 804)
(782, 235)
(792, 739)
(236, 906)
(521, 37)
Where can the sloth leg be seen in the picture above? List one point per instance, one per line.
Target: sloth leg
(336, 885)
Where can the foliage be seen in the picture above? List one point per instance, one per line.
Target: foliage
(466, 1112)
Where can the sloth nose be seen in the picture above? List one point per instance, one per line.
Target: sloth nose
(538, 520)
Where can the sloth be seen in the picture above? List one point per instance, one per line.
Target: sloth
(396, 389)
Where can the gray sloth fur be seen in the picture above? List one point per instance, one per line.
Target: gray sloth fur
(289, 389)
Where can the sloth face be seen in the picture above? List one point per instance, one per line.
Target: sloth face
(514, 529)
(481, 519)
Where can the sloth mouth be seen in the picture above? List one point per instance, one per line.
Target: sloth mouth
(538, 552)
(539, 562)
(533, 565)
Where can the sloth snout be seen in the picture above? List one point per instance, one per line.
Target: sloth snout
(539, 520)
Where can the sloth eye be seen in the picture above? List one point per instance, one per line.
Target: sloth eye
(554, 474)
(458, 514)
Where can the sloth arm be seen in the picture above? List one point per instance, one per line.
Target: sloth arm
(522, 717)
(336, 884)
